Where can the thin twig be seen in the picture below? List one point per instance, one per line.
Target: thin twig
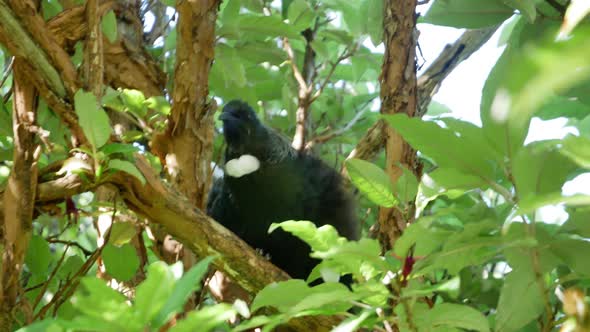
(6, 73)
(51, 276)
(534, 256)
(71, 244)
(291, 56)
(71, 284)
(347, 53)
(335, 133)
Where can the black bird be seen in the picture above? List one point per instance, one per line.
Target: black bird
(267, 181)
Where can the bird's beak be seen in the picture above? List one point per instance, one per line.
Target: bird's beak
(226, 116)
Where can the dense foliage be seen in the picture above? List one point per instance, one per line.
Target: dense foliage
(478, 256)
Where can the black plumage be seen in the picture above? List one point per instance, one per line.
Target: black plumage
(287, 185)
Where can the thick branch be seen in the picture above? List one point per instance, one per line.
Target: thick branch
(203, 235)
(93, 50)
(35, 24)
(18, 41)
(124, 67)
(398, 95)
(189, 140)
(19, 199)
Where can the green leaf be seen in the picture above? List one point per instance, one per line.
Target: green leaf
(320, 239)
(300, 14)
(531, 203)
(120, 262)
(476, 244)
(125, 149)
(353, 323)
(71, 265)
(5, 121)
(374, 21)
(50, 8)
(92, 118)
(251, 25)
(371, 181)
(97, 300)
(435, 109)
(170, 40)
(456, 315)
(450, 178)
(560, 106)
(327, 298)
(577, 149)
(127, 167)
(296, 297)
(406, 187)
(360, 257)
(38, 255)
(520, 301)
(573, 252)
(283, 295)
(451, 287)
(135, 102)
(122, 233)
(474, 157)
(422, 234)
(189, 283)
(229, 11)
(538, 169)
(467, 14)
(228, 61)
(541, 73)
(158, 103)
(260, 52)
(109, 26)
(152, 293)
(206, 319)
(578, 222)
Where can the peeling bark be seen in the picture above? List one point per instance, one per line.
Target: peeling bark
(188, 145)
(124, 67)
(19, 198)
(26, 11)
(93, 50)
(398, 95)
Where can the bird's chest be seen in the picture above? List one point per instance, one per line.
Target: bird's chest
(271, 194)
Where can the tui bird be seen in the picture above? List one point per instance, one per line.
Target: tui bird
(267, 181)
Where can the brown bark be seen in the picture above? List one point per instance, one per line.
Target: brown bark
(26, 11)
(124, 67)
(188, 144)
(19, 198)
(398, 95)
(93, 50)
(305, 78)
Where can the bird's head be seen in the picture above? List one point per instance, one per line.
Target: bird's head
(240, 124)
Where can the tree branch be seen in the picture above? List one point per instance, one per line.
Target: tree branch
(93, 50)
(26, 11)
(19, 199)
(18, 41)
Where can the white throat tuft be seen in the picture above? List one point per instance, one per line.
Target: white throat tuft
(241, 166)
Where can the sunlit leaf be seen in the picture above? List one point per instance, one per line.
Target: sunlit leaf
(92, 118)
(371, 181)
